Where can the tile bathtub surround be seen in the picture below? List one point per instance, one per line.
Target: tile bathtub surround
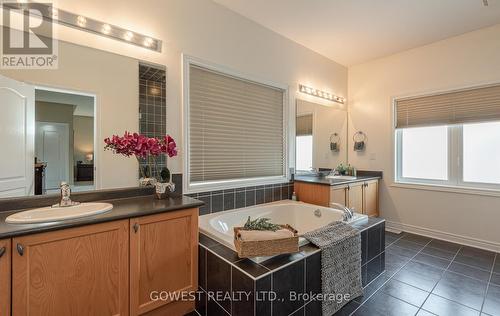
(220, 269)
(152, 106)
(223, 200)
(424, 276)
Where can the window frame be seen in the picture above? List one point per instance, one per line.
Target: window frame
(455, 164)
(197, 187)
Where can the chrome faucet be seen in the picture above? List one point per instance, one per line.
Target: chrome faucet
(348, 213)
(65, 196)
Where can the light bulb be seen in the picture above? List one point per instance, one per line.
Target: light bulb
(148, 42)
(106, 29)
(128, 36)
(81, 21)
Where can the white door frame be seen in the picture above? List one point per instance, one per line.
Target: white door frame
(66, 154)
(97, 157)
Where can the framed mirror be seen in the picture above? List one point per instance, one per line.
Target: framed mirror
(321, 136)
(56, 121)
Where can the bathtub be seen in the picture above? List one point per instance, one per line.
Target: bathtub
(299, 215)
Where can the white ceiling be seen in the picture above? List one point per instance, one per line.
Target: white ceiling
(84, 105)
(354, 31)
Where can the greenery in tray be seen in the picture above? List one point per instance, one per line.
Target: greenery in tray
(261, 224)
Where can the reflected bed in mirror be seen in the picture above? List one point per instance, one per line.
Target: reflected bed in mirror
(321, 136)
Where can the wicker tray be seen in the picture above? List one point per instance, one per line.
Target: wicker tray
(261, 248)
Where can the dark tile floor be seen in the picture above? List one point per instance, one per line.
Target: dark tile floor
(426, 276)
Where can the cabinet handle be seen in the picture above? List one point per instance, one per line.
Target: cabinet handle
(20, 249)
(136, 227)
(2, 251)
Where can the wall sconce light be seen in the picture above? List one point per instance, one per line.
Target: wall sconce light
(87, 24)
(321, 94)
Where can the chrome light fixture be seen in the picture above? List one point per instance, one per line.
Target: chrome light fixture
(87, 24)
(321, 94)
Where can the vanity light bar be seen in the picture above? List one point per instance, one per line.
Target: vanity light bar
(321, 94)
(94, 26)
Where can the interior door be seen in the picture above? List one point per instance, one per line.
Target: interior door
(52, 147)
(17, 127)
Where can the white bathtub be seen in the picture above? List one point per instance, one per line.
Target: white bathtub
(299, 215)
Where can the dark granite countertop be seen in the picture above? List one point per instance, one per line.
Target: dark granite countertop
(122, 208)
(333, 182)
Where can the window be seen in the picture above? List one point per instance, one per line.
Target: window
(304, 142)
(424, 153)
(304, 150)
(235, 130)
(450, 139)
(481, 153)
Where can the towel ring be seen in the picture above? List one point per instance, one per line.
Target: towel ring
(335, 142)
(359, 136)
(334, 138)
(359, 139)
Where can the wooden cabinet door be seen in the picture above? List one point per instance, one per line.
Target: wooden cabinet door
(338, 195)
(355, 197)
(76, 271)
(371, 198)
(163, 258)
(318, 194)
(5, 275)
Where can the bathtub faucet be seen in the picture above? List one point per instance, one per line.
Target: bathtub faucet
(348, 213)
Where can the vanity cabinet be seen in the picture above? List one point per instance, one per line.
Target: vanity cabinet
(163, 257)
(76, 271)
(361, 196)
(370, 198)
(5, 275)
(354, 197)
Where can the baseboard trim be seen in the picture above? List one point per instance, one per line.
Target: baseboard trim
(397, 227)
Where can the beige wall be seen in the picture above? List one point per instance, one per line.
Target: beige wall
(113, 79)
(58, 113)
(326, 121)
(203, 29)
(83, 127)
(466, 60)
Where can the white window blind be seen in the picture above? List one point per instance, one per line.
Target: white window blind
(236, 128)
(457, 107)
(304, 125)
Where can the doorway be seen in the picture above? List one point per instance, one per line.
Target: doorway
(64, 140)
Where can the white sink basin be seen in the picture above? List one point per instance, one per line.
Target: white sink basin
(54, 214)
(341, 177)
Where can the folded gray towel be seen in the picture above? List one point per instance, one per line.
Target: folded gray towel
(340, 246)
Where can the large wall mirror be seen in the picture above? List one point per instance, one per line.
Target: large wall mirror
(54, 121)
(321, 136)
